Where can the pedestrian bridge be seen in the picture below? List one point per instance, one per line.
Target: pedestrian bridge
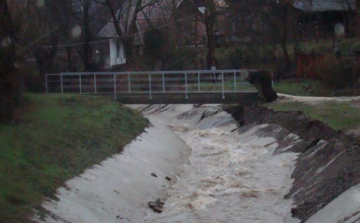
(159, 87)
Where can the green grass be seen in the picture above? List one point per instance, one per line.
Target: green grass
(311, 87)
(339, 115)
(218, 87)
(57, 138)
(303, 87)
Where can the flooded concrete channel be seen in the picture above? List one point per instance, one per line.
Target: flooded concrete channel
(193, 164)
(232, 176)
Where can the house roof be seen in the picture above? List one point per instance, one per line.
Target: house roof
(324, 5)
(155, 11)
(108, 31)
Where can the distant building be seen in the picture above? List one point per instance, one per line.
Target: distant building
(181, 17)
(317, 18)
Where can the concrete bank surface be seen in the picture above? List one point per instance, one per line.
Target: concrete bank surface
(119, 188)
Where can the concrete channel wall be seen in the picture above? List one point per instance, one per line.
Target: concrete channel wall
(119, 188)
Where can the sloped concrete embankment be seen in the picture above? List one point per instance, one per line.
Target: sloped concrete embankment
(119, 188)
(327, 174)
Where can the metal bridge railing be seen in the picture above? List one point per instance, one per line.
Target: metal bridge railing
(151, 82)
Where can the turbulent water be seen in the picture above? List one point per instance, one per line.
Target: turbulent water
(232, 178)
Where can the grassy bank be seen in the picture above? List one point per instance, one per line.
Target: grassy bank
(57, 138)
(302, 87)
(339, 115)
(311, 87)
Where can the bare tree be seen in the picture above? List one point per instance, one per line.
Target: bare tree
(65, 17)
(124, 20)
(46, 38)
(9, 81)
(265, 25)
(210, 20)
(87, 36)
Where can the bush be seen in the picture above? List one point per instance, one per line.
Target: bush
(32, 80)
(10, 95)
(337, 72)
(10, 84)
(236, 59)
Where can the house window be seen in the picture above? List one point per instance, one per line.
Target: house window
(118, 49)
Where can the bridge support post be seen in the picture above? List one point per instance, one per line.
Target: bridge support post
(163, 82)
(199, 82)
(80, 88)
(115, 97)
(129, 83)
(235, 86)
(95, 90)
(150, 88)
(223, 86)
(61, 84)
(186, 86)
(46, 83)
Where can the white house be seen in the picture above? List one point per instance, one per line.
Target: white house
(117, 53)
(111, 50)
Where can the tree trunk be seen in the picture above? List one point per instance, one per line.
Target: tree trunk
(70, 63)
(286, 32)
(210, 57)
(45, 58)
(284, 42)
(10, 93)
(128, 44)
(87, 54)
(210, 17)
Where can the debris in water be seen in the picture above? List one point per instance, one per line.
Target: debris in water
(159, 202)
(156, 206)
(168, 178)
(153, 174)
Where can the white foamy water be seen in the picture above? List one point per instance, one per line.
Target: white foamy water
(231, 178)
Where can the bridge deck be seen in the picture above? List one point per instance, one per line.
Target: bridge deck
(205, 86)
(193, 98)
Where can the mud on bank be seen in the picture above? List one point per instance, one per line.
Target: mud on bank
(328, 163)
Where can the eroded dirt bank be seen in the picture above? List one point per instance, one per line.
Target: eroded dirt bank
(328, 165)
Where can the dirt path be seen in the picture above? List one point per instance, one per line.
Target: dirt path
(286, 97)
